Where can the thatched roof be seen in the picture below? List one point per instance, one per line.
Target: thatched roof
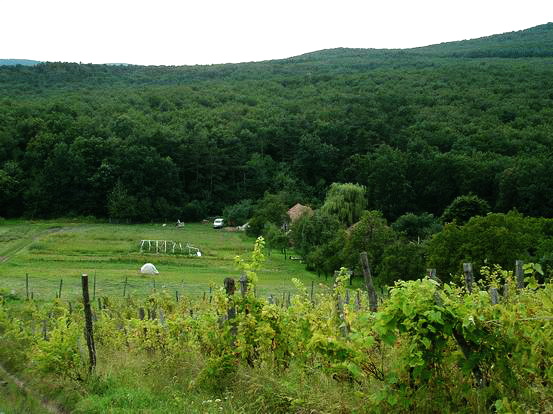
(299, 210)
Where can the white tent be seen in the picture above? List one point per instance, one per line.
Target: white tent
(149, 269)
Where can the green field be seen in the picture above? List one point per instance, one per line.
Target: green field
(50, 251)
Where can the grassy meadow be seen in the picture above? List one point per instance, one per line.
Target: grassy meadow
(50, 251)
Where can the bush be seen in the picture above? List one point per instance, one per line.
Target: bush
(464, 207)
(239, 213)
(417, 227)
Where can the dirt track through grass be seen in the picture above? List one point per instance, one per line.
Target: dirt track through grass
(50, 250)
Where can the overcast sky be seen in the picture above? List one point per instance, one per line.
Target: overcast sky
(179, 32)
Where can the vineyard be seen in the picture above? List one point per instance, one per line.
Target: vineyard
(483, 346)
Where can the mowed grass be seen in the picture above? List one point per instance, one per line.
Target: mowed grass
(50, 251)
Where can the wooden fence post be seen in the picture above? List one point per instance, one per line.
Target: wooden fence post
(312, 289)
(27, 285)
(141, 314)
(243, 285)
(230, 288)
(469, 277)
(369, 282)
(519, 274)
(89, 335)
(344, 329)
(125, 286)
(494, 295)
(432, 275)
(357, 301)
(61, 285)
(44, 329)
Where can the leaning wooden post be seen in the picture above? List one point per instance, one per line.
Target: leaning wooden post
(469, 276)
(89, 335)
(494, 295)
(341, 316)
(312, 288)
(369, 282)
(27, 285)
(519, 274)
(125, 286)
(243, 285)
(61, 285)
(230, 288)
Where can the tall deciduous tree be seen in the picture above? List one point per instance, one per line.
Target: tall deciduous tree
(346, 202)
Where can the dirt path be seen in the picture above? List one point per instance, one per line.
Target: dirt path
(29, 242)
(48, 406)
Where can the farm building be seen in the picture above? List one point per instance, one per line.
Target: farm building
(299, 210)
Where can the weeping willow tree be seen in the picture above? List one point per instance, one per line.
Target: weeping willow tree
(346, 202)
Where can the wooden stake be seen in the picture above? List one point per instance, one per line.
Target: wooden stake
(61, 285)
(125, 286)
(89, 334)
(494, 295)
(369, 282)
(519, 274)
(341, 316)
(27, 285)
(243, 285)
(469, 277)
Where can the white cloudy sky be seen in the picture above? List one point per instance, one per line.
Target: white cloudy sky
(177, 32)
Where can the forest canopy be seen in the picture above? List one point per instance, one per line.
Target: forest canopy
(416, 128)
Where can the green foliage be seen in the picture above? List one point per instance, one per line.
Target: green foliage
(346, 202)
(239, 213)
(429, 348)
(121, 204)
(401, 261)
(463, 208)
(417, 227)
(495, 238)
(275, 237)
(311, 236)
(370, 234)
(270, 209)
(417, 128)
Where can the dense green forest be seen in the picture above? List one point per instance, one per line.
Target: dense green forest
(416, 127)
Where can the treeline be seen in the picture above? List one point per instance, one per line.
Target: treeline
(334, 235)
(143, 143)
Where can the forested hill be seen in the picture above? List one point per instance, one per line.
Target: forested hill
(13, 62)
(418, 127)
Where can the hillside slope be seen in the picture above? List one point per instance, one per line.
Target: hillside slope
(416, 127)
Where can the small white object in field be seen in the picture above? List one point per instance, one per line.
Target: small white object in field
(149, 269)
(199, 254)
(163, 225)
